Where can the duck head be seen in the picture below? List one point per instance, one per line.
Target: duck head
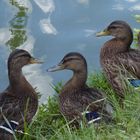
(119, 29)
(72, 61)
(19, 58)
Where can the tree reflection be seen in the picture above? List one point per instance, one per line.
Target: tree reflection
(17, 26)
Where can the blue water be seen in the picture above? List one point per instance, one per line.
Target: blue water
(49, 29)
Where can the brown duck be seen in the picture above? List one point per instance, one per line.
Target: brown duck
(76, 98)
(19, 102)
(118, 60)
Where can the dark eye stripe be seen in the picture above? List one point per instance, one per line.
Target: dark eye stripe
(115, 26)
(22, 55)
(69, 59)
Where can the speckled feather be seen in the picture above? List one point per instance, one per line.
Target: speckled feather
(19, 102)
(76, 96)
(75, 101)
(118, 60)
(13, 108)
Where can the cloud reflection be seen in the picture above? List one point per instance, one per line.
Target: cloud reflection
(35, 75)
(47, 6)
(85, 2)
(131, 5)
(5, 35)
(118, 7)
(131, 0)
(89, 32)
(47, 27)
(135, 7)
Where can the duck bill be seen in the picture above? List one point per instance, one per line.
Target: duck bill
(55, 68)
(103, 33)
(35, 61)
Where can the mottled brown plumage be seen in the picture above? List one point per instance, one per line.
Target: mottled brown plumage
(19, 101)
(76, 97)
(118, 60)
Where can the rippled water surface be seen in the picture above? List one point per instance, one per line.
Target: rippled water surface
(49, 29)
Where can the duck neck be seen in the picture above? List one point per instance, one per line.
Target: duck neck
(15, 77)
(18, 83)
(116, 45)
(77, 81)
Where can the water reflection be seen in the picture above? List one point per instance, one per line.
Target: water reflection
(135, 7)
(85, 2)
(130, 5)
(47, 6)
(47, 27)
(17, 26)
(131, 0)
(5, 35)
(20, 38)
(34, 74)
(118, 7)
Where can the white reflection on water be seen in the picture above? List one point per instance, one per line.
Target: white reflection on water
(131, 0)
(25, 3)
(5, 35)
(121, 5)
(35, 75)
(85, 2)
(47, 6)
(118, 7)
(89, 32)
(47, 27)
(135, 7)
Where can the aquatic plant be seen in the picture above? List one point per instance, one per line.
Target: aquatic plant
(18, 26)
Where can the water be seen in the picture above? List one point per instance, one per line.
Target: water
(49, 29)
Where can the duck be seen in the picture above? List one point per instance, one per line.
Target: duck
(120, 62)
(19, 101)
(77, 101)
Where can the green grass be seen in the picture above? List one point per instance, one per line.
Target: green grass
(49, 124)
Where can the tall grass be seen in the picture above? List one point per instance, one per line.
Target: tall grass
(49, 124)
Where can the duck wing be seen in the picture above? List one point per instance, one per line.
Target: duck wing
(122, 66)
(131, 62)
(92, 98)
(78, 102)
(13, 112)
(97, 102)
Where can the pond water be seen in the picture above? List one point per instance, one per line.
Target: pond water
(49, 29)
